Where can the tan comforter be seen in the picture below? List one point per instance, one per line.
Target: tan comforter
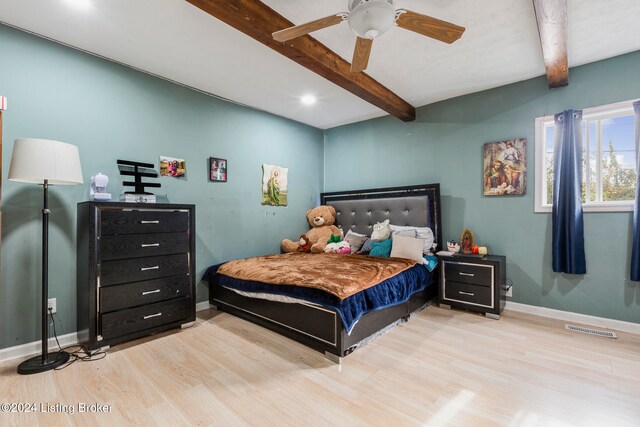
(340, 275)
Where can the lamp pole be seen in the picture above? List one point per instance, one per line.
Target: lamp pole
(45, 274)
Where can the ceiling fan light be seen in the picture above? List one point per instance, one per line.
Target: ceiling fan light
(371, 19)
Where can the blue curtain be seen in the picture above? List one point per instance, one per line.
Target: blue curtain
(568, 228)
(635, 249)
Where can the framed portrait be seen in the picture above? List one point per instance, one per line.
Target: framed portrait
(274, 185)
(217, 169)
(505, 168)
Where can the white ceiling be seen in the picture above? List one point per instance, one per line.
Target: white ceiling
(175, 40)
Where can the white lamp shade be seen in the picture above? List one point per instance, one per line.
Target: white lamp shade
(36, 160)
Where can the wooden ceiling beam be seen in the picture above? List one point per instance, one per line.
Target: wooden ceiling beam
(257, 20)
(551, 16)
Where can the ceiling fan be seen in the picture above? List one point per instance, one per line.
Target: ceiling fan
(369, 19)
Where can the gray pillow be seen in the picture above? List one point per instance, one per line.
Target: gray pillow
(355, 240)
(367, 246)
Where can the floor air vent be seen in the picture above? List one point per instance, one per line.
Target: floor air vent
(589, 331)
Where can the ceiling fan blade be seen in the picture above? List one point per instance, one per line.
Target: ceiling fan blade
(428, 26)
(361, 55)
(309, 27)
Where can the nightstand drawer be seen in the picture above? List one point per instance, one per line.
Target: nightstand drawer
(473, 274)
(464, 292)
(143, 221)
(125, 322)
(118, 246)
(138, 269)
(129, 295)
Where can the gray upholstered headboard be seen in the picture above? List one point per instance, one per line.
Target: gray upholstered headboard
(418, 206)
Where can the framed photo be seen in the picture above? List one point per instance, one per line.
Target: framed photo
(217, 169)
(172, 166)
(505, 168)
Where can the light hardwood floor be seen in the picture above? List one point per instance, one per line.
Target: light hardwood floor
(443, 368)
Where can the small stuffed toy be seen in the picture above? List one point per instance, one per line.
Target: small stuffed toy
(304, 244)
(335, 245)
(453, 247)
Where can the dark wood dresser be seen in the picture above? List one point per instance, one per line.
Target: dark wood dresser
(135, 270)
(476, 284)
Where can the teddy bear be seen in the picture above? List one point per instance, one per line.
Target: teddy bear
(321, 219)
(304, 245)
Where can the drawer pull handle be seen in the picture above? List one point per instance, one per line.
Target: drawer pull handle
(150, 222)
(155, 291)
(155, 267)
(467, 274)
(149, 245)
(152, 315)
(466, 293)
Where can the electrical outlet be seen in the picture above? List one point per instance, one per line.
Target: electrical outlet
(509, 293)
(52, 305)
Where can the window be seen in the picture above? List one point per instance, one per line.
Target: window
(608, 160)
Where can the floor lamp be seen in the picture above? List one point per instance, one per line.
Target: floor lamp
(45, 162)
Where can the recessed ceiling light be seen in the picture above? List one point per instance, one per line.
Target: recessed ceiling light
(80, 4)
(308, 99)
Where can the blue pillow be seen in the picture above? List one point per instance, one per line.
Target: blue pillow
(430, 262)
(382, 249)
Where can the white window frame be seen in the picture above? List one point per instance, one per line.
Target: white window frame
(540, 196)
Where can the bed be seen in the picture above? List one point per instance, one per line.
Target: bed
(312, 316)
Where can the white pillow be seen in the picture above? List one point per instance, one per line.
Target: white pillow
(355, 240)
(381, 231)
(407, 247)
(407, 233)
(421, 233)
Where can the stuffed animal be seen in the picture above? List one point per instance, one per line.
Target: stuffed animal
(304, 245)
(453, 247)
(336, 245)
(321, 219)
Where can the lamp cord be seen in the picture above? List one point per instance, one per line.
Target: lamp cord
(76, 355)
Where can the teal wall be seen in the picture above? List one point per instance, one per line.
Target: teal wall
(444, 145)
(112, 112)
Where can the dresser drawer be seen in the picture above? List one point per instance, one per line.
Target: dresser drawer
(125, 322)
(468, 273)
(143, 221)
(118, 246)
(139, 293)
(138, 269)
(464, 292)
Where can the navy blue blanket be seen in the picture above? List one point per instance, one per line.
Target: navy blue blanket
(392, 291)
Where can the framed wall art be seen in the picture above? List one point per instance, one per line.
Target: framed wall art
(505, 167)
(274, 185)
(172, 166)
(217, 169)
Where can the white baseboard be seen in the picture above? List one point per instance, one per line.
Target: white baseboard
(585, 319)
(204, 305)
(35, 347)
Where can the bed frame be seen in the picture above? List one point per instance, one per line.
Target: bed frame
(321, 328)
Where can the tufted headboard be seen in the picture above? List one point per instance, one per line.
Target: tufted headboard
(417, 205)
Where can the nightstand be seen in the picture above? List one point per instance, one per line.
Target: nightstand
(474, 283)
